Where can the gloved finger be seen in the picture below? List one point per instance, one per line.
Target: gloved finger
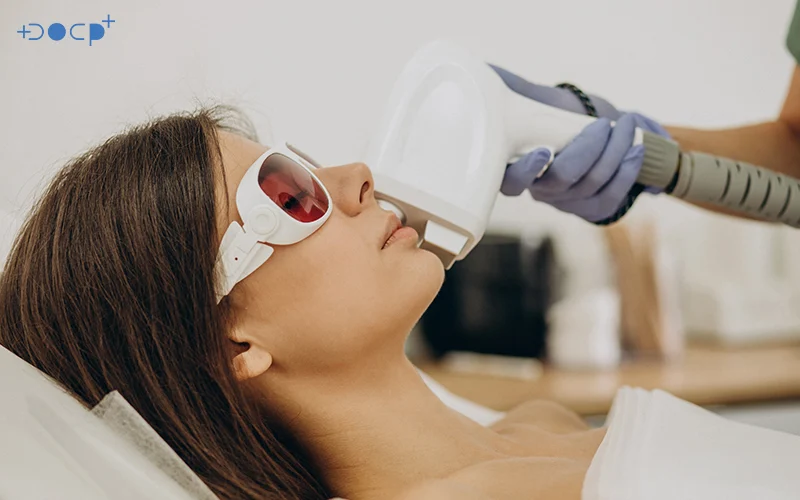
(650, 125)
(575, 160)
(606, 202)
(603, 170)
(520, 175)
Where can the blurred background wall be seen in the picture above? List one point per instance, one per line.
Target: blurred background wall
(319, 72)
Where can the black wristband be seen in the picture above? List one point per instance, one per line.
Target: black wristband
(637, 188)
(588, 105)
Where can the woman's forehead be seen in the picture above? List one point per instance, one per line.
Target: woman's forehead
(238, 153)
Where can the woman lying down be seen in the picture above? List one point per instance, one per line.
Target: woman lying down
(253, 308)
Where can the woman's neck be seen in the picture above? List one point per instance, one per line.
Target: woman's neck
(376, 431)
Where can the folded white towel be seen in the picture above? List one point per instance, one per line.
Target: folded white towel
(659, 447)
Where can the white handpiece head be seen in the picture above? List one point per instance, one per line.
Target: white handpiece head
(448, 131)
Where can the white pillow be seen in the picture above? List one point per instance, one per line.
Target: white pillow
(53, 447)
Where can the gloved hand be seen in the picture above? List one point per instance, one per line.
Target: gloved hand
(591, 177)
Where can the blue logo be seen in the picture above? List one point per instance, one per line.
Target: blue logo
(57, 31)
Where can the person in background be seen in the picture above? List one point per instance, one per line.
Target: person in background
(594, 175)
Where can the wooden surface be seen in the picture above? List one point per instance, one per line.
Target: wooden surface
(706, 376)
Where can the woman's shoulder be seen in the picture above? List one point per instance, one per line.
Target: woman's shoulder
(543, 428)
(546, 415)
(544, 478)
(442, 489)
(558, 446)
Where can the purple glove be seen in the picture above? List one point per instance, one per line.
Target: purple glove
(591, 177)
(594, 175)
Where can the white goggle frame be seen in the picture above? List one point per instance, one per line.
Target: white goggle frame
(244, 248)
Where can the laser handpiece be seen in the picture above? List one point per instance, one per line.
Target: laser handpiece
(451, 126)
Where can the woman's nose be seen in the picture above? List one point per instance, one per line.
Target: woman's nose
(351, 187)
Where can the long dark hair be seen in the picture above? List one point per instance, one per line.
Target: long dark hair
(110, 285)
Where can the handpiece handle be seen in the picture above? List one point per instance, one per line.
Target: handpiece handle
(530, 124)
(736, 186)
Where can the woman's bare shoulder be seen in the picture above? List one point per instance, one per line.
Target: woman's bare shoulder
(545, 478)
(547, 415)
(442, 489)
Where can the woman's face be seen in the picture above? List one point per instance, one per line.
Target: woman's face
(339, 296)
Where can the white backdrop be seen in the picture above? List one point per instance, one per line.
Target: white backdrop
(320, 72)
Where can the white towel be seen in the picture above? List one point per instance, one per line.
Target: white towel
(659, 447)
(123, 419)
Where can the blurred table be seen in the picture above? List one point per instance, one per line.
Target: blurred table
(707, 375)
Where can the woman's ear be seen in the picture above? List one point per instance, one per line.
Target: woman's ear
(250, 360)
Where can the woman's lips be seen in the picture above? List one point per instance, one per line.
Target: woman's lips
(402, 233)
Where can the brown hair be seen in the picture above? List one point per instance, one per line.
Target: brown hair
(110, 285)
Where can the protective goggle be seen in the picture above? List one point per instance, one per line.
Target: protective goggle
(281, 202)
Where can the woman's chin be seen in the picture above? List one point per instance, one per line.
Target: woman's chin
(430, 273)
(416, 276)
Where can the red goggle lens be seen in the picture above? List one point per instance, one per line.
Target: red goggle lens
(292, 188)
